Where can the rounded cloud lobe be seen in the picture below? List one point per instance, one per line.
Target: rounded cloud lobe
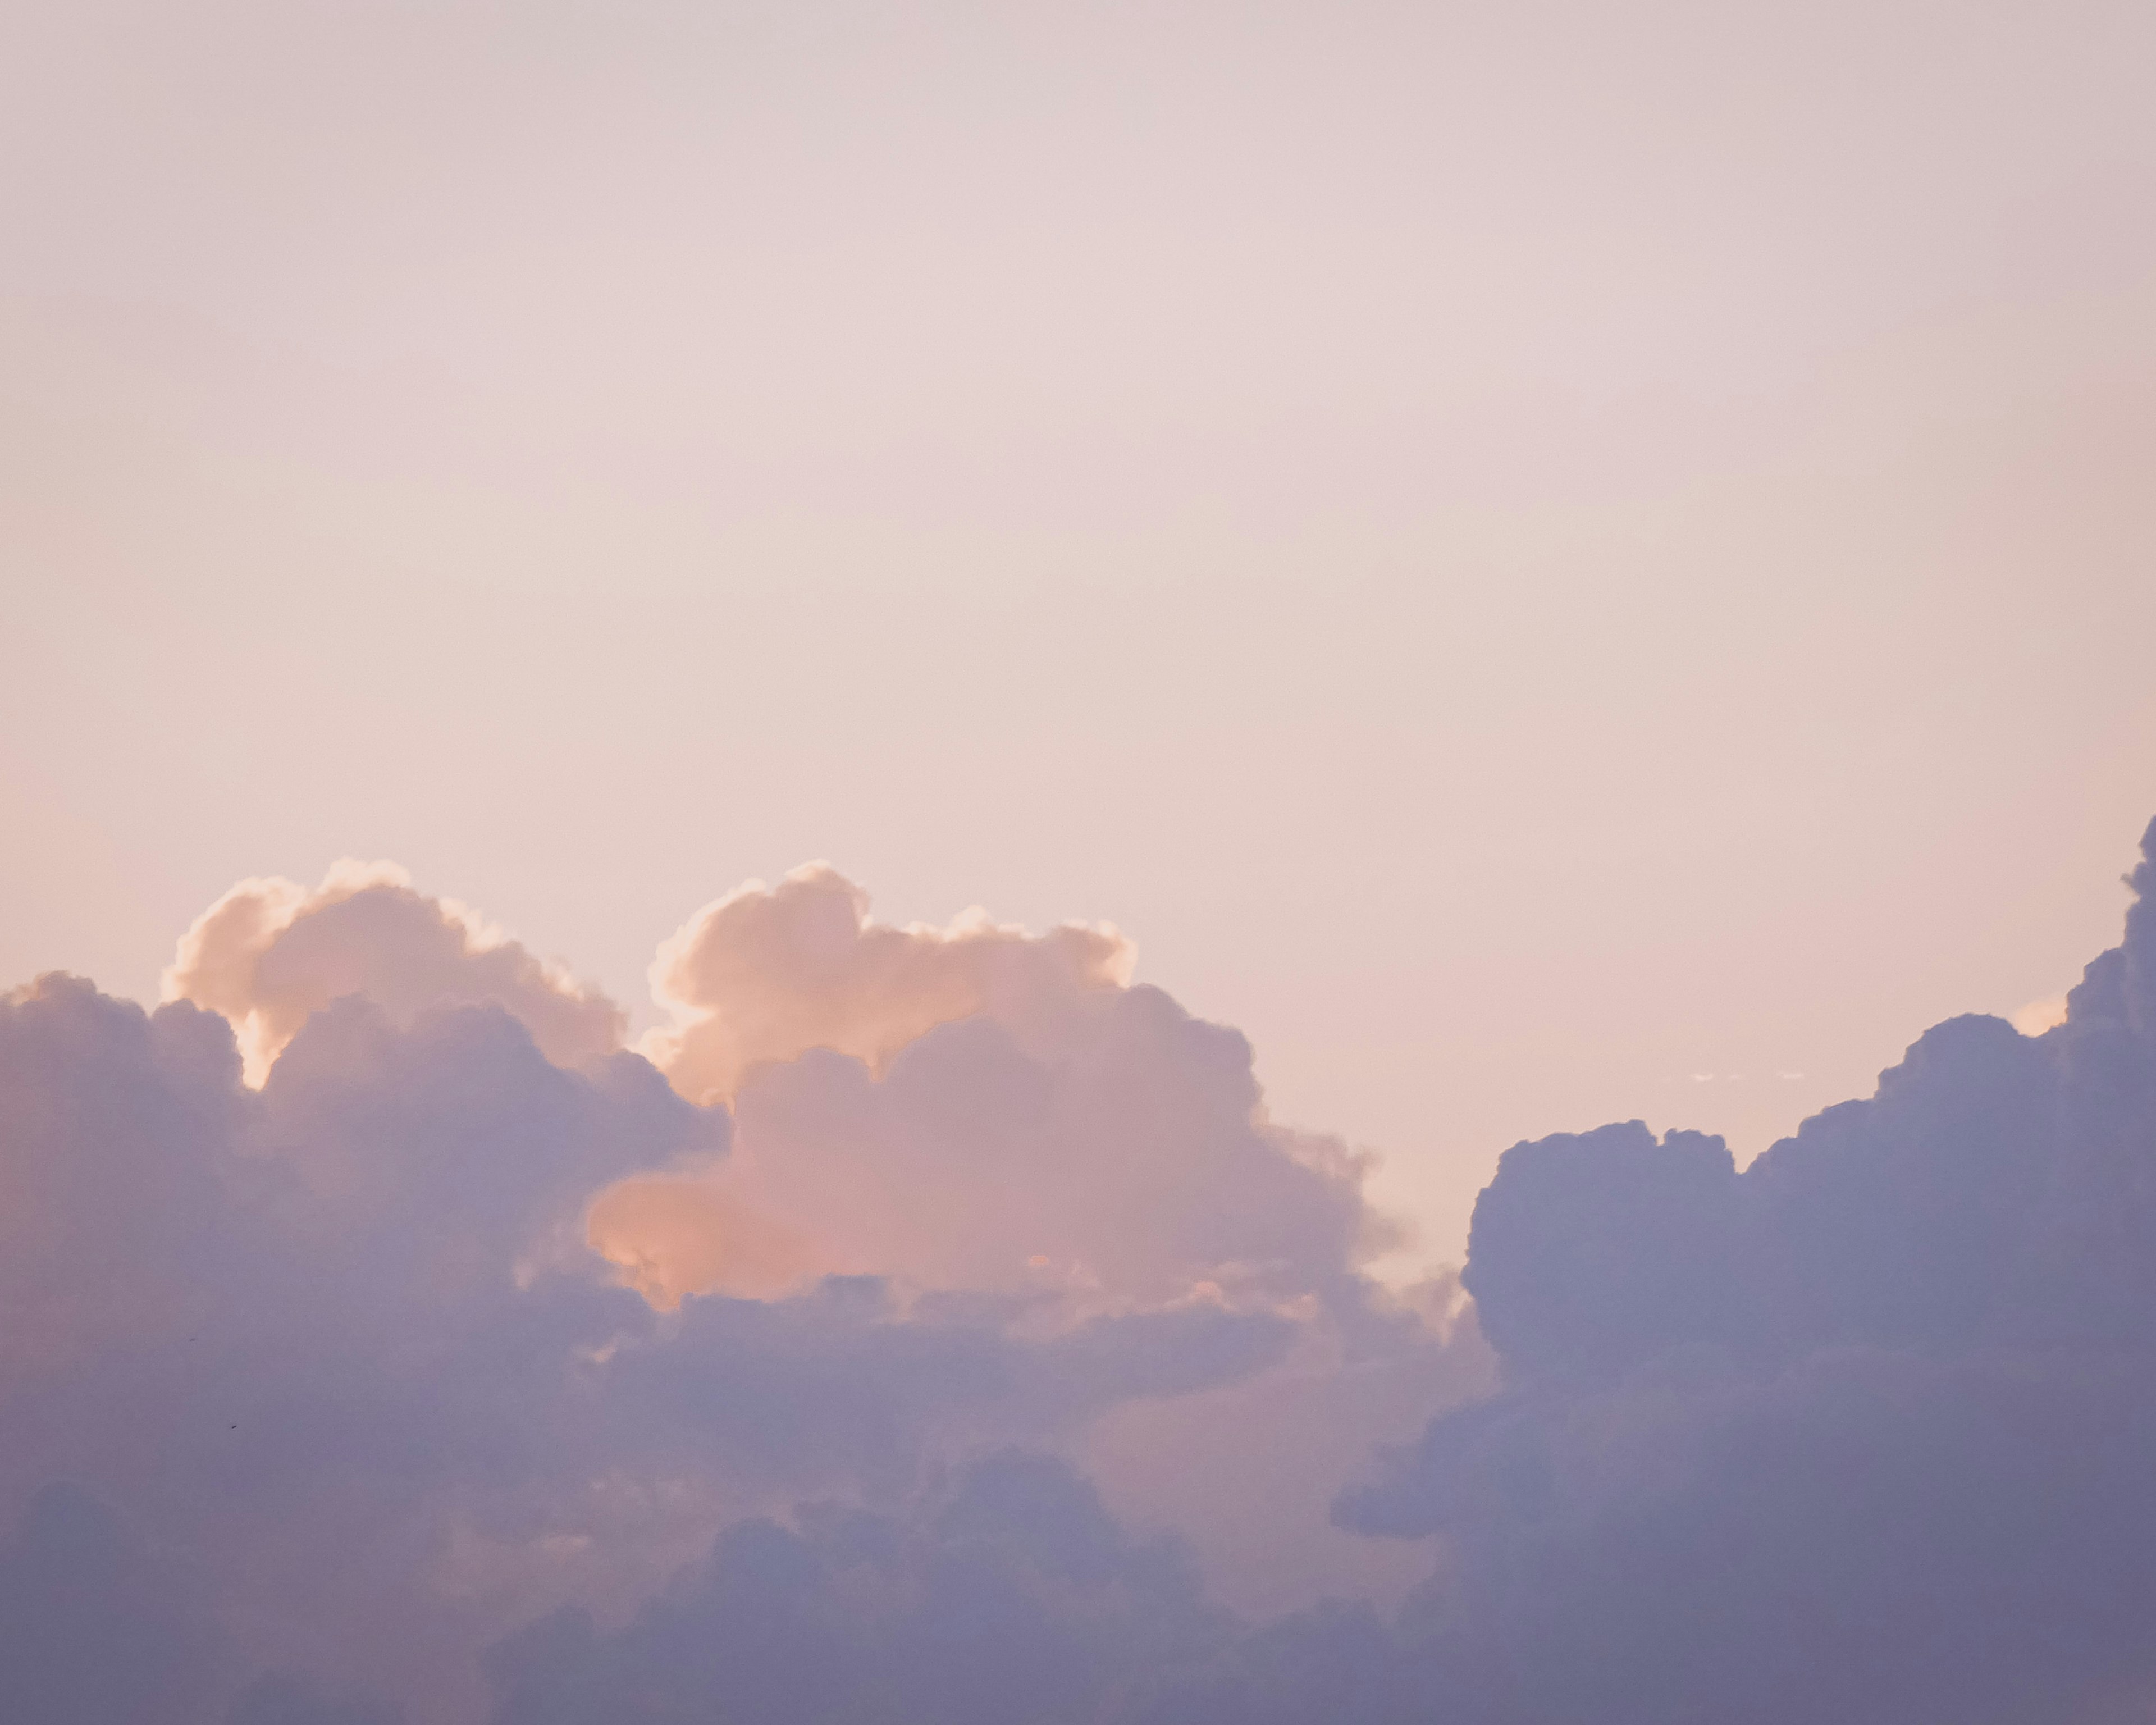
(766, 973)
(966, 1107)
(269, 954)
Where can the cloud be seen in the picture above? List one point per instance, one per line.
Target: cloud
(1247, 1471)
(440, 1374)
(92, 1627)
(1860, 1433)
(281, 1699)
(317, 1317)
(1010, 1595)
(765, 973)
(349, 1313)
(269, 954)
(1119, 1153)
(338, 1337)
(1005, 1592)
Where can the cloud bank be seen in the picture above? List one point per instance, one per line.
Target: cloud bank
(380, 1302)
(932, 1325)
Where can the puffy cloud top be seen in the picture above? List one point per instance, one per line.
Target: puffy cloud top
(766, 973)
(269, 954)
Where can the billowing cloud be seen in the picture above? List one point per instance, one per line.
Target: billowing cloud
(1866, 1432)
(269, 954)
(351, 1312)
(968, 1108)
(1121, 1154)
(766, 973)
(446, 1376)
(319, 1317)
(352, 1305)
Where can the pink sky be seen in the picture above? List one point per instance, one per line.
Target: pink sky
(1548, 563)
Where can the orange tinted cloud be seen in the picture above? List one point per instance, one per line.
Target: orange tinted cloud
(1121, 1154)
(672, 1235)
(1018, 1144)
(766, 973)
(269, 954)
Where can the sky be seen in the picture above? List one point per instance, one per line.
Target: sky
(831, 776)
(1549, 564)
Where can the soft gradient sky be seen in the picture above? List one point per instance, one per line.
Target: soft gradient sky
(1548, 563)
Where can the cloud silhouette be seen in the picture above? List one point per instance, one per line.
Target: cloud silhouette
(1867, 1431)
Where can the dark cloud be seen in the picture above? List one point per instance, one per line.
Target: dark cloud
(1011, 1596)
(1005, 1596)
(278, 1699)
(1337, 1662)
(1866, 1432)
(93, 1627)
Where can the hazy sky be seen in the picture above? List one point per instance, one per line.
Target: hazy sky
(1549, 564)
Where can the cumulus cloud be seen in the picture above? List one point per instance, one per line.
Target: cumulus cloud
(269, 954)
(1862, 1432)
(269, 1325)
(1124, 1156)
(350, 1313)
(447, 1373)
(765, 973)
(302, 1264)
